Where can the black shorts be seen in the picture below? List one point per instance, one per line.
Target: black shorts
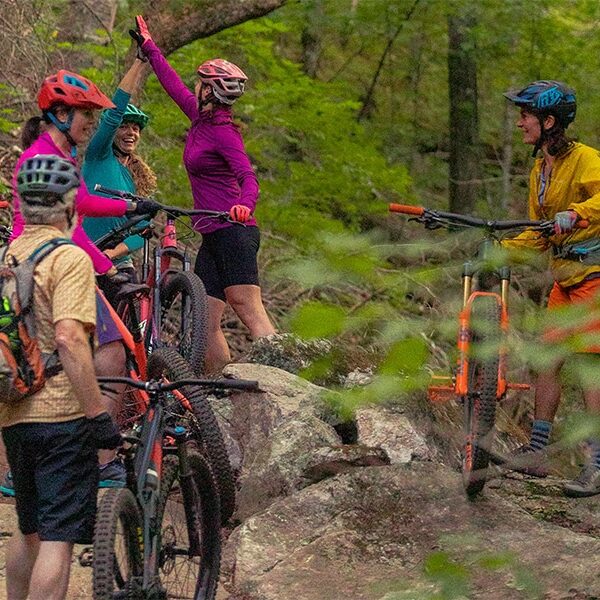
(55, 473)
(228, 257)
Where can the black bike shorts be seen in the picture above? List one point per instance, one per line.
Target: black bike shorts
(55, 473)
(228, 257)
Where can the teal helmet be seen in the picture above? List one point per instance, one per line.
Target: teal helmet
(133, 114)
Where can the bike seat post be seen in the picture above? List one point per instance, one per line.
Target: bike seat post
(467, 278)
(504, 273)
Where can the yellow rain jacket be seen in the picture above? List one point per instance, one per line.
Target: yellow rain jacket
(574, 183)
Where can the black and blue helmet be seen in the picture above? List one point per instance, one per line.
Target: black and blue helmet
(547, 97)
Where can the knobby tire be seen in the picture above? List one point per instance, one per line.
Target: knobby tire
(117, 553)
(201, 423)
(480, 401)
(193, 577)
(184, 317)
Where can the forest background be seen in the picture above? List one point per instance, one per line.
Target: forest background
(351, 104)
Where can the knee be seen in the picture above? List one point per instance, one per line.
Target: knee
(110, 359)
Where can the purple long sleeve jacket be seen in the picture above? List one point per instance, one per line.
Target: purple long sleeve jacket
(215, 159)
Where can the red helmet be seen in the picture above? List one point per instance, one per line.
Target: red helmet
(73, 90)
(226, 79)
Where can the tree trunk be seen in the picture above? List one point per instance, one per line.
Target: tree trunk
(175, 27)
(507, 154)
(311, 37)
(465, 174)
(84, 17)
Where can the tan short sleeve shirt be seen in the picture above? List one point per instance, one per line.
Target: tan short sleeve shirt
(64, 289)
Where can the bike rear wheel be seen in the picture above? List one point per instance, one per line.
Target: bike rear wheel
(181, 509)
(117, 553)
(200, 420)
(480, 401)
(184, 317)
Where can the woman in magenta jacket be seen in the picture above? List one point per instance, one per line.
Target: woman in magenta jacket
(221, 178)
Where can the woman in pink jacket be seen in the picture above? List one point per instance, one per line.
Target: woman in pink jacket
(221, 178)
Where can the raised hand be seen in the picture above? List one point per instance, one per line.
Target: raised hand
(141, 35)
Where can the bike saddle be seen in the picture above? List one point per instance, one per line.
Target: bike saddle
(131, 289)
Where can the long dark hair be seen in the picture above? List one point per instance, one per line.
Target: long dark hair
(34, 127)
(558, 140)
(31, 131)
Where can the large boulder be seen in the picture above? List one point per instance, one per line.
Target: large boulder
(278, 467)
(394, 432)
(367, 533)
(254, 416)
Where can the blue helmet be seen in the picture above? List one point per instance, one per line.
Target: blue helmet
(547, 98)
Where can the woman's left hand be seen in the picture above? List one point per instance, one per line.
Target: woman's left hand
(141, 35)
(240, 213)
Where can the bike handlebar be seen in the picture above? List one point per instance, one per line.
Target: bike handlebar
(173, 210)
(160, 386)
(427, 215)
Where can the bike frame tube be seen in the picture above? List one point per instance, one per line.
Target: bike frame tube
(148, 468)
(461, 384)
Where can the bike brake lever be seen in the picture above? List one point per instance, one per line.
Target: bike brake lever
(428, 223)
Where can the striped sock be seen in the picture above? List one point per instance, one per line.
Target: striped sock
(595, 451)
(540, 434)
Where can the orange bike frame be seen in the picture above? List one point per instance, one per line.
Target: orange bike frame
(461, 383)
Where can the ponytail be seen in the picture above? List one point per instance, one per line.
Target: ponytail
(31, 131)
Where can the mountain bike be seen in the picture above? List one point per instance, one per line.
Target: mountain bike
(174, 309)
(480, 377)
(160, 536)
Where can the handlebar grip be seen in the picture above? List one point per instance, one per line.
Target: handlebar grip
(407, 209)
(4, 204)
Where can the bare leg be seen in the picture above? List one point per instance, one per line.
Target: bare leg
(217, 353)
(109, 361)
(21, 553)
(591, 388)
(247, 304)
(547, 393)
(50, 577)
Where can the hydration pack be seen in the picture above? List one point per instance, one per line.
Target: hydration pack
(24, 368)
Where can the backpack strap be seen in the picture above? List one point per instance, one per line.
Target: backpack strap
(42, 251)
(25, 288)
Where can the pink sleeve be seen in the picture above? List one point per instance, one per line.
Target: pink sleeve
(100, 261)
(90, 205)
(171, 82)
(18, 223)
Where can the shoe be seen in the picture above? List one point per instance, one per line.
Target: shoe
(587, 484)
(528, 461)
(7, 488)
(113, 475)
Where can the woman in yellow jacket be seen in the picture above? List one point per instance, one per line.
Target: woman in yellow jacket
(564, 185)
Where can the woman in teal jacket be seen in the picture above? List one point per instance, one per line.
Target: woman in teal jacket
(111, 161)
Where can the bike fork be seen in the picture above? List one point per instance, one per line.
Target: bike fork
(188, 493)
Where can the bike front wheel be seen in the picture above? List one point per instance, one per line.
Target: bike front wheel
(190, 546)
(117, 553)
(480, 401)
(199, 419)
(184, 317)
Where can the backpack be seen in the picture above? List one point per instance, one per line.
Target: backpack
(24, 368)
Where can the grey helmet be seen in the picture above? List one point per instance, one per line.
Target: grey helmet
(45, 178)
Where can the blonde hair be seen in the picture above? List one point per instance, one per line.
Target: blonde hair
(143, 176)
